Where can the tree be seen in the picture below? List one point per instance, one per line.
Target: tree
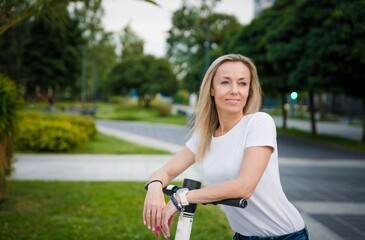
(103, 60)
(8, 108)
(309, 45)
(334, 49)
(98, 50)
(195, 33)
(252, 41)
(52, 57)
(14, 14)
(12, 47)
(132, 44)
(11, 12)
(146, 74)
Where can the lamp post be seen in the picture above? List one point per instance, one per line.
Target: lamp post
(206, 28)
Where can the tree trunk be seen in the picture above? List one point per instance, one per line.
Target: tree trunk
(312, 113)
(363, 119)
(284, 110)
(2, 169)
(321, 107)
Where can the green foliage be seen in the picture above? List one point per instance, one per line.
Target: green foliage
(53, 133)
(91, 211)
(132, 44)
(8, 119)
(8, 106)
(335, 49)
(123, 109)
(195, 31)
(302, 45)
(146, 74)
(45, 52)
(164, 108)
(98, 51)
(106, 144)
(50, 66)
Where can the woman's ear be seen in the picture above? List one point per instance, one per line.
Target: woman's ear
(211, 92)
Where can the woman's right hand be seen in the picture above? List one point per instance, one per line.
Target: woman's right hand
(153, 206)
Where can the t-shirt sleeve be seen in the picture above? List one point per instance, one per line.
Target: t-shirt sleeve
(192, 143)
(261, 131)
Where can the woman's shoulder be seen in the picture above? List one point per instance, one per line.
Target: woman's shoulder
(261, 115)
(260, 119)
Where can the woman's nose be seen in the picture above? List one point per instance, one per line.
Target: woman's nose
(234, 88)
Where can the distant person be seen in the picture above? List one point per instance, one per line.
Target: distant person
(50, 99)
(236, 145)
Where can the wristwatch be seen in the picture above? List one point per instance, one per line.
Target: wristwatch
(182, 195)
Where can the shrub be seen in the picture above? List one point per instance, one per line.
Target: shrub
(53, 132)
(163, 108)
(8, 107)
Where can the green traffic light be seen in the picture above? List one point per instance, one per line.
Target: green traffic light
(294, 95)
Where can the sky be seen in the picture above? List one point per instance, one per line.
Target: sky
(151, 22)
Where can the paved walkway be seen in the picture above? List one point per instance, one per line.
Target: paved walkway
(85, 167)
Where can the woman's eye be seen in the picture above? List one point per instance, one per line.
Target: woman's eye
(224, 82)
(242, 83)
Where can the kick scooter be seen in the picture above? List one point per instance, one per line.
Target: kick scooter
(185, 221)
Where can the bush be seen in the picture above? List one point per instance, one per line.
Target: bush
(53, 132)
(163, 108)
(8, 107)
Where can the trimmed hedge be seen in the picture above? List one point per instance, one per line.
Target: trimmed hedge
(42, 132)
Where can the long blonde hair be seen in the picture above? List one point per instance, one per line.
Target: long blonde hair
(206, 117)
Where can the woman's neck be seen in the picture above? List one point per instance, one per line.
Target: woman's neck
(226, 123)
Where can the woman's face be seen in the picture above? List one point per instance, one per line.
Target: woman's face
(231, 85)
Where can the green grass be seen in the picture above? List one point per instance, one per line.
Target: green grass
(134, 113)
(104, 144)
(114, 112)
(90, 210)
(328, 140)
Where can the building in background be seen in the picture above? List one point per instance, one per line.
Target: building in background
(260, 5)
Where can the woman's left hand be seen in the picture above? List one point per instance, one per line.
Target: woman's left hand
(153, 208)
(168, 215)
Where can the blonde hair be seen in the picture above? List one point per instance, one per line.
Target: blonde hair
(206, 117)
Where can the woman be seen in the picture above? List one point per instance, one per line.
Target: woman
(237, 147)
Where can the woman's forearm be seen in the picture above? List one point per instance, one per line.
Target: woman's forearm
(225, 190)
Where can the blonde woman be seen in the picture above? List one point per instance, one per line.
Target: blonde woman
(236, 145)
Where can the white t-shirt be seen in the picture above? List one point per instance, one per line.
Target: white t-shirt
(268, 212)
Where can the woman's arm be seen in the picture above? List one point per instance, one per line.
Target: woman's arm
(251, 170)
(173, 167)
(154, 201)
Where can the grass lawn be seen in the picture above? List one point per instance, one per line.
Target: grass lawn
(133, 113)
(329, 140)
(90, 210)
(105, 144)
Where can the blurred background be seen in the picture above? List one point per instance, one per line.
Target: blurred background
(66, 65)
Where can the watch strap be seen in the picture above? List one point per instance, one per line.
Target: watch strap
(182, 195)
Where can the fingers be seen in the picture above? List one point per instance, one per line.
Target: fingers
(152, 218)
(147, 219)
(152, 211)
(167, 218)
(165, 228)
(158, 222)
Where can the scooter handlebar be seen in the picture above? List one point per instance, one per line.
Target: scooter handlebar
(234, 202)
